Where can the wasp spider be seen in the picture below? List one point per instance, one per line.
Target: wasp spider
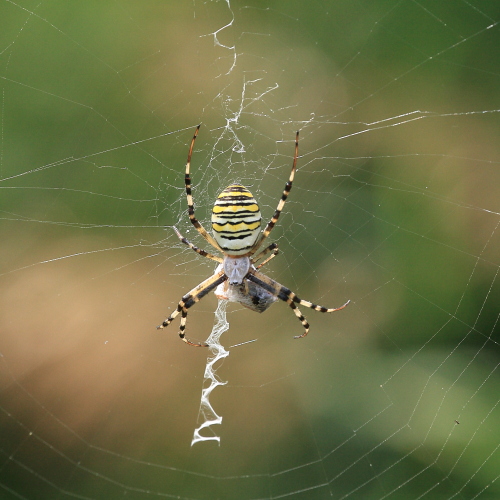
(236, 223)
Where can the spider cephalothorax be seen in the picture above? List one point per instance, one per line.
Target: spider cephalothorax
(236, 223)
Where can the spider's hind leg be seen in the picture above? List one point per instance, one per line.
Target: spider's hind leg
(288, 187)
(189, 196)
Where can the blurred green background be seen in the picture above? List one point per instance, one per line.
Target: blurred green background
(395, 206)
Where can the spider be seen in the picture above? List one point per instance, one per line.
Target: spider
(236, 223)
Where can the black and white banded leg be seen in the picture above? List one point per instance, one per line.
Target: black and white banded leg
(275, 252)
(199, 251)
(189, 196)
(195, 295)
(273, 247)
(281, 204)
(286, 295)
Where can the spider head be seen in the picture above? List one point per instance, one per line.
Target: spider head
(236, 268)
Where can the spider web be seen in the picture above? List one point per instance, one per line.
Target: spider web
(395, 206)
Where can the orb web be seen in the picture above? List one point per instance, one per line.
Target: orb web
(394, 206)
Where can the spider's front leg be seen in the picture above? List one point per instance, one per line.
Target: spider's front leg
(286, 295)
(195, 295)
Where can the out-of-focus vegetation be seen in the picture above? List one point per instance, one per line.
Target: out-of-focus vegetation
(395, 206)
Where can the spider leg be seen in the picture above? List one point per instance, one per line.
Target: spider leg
(281, 204)
(189, 196)
(195, 295)
(289, 297)
(195, 248)
(270, 248)
(275, 252)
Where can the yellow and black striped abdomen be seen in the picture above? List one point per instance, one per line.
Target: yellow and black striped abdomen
(236, 220)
